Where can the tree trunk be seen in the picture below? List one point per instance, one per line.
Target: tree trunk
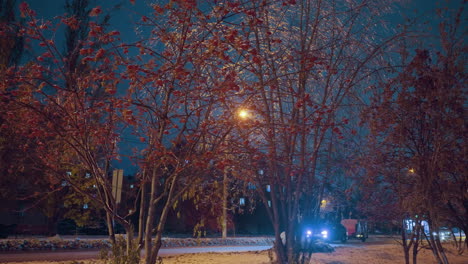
(290, 241)
(110, 227)
(279, 246)
(441, 251)
(416, 242)
(405, 245)
(459, 243)
(162, 221)
(150, 219)
(434, 248)
(141, 217)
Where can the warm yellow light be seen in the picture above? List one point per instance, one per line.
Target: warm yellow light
(411, 170)
(243, 113)
(323, 204)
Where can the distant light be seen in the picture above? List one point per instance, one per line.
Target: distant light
(323, 203)
(131, 186)
(85, 206)
(268, 188)
(87, 175)
(411, 170)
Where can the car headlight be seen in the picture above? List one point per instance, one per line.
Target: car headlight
(444, 235)
(324, 233)
(308, 233)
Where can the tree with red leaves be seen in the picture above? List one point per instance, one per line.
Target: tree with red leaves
(418, 127)
(291, 64)
(66, 100)
(18, 153)
(178, 90)
(302, 61)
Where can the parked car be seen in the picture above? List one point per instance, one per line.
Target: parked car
(444, 234)
(447, 234)
(325, 231)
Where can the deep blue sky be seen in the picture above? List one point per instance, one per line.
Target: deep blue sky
(122, 19)
(128, 12)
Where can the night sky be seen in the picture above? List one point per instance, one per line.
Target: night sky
(123, 19)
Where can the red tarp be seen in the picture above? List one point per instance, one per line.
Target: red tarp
(350, 225)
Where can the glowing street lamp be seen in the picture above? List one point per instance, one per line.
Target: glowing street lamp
(323, 204)
(411, 170)
(243, 113)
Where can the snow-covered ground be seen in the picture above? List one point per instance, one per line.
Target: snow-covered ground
(370, 254)
(97, 242)
(367, 254)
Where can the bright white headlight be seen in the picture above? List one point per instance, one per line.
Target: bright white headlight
(324, 233)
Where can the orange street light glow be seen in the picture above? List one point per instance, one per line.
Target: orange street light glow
(243, 113)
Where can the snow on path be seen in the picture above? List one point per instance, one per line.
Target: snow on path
(90, 254)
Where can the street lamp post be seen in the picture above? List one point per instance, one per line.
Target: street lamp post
(242, 114)
(224, 215)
